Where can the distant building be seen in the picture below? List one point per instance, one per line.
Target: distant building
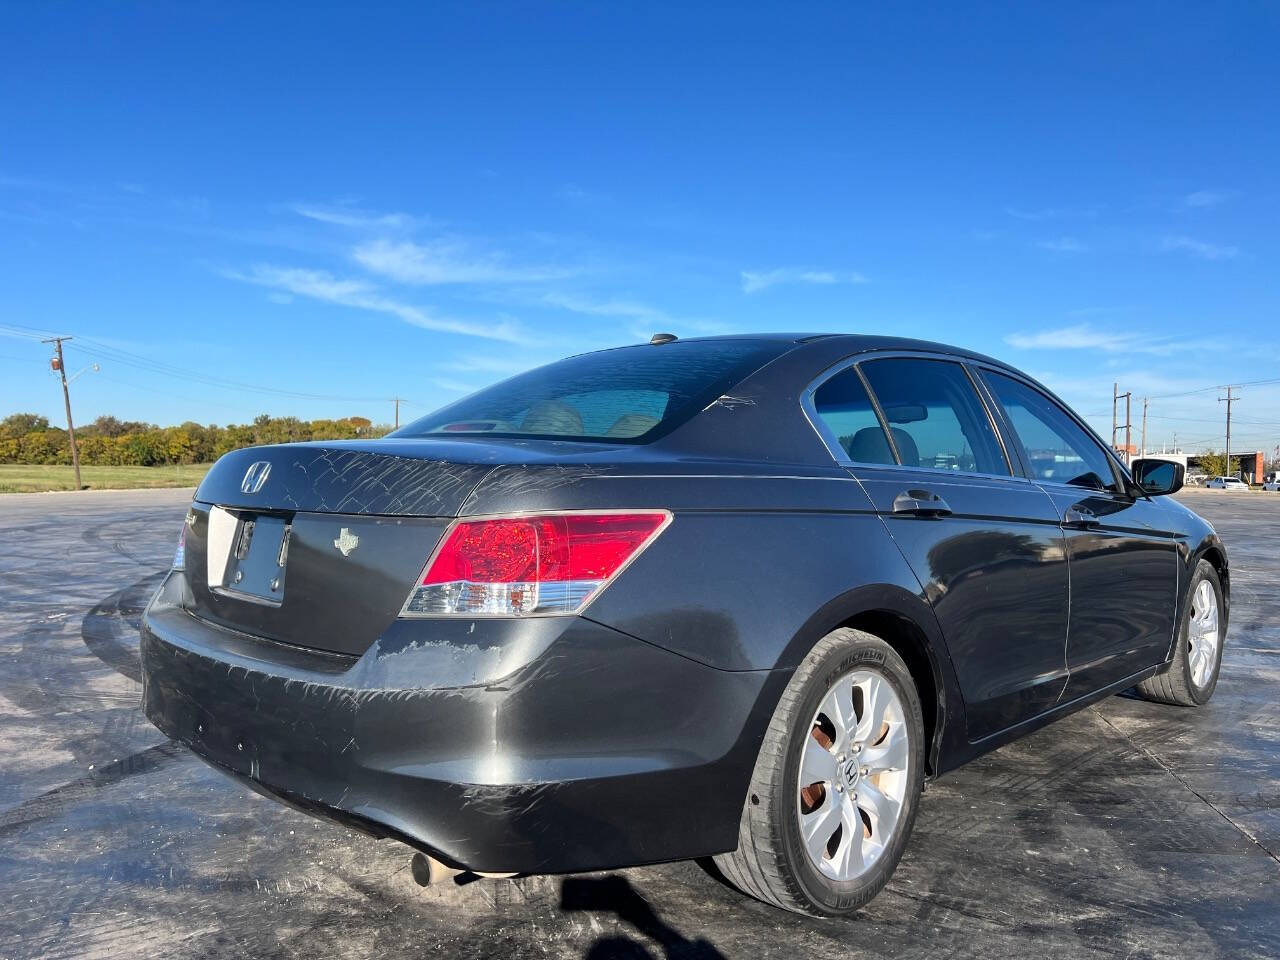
(1247, 466)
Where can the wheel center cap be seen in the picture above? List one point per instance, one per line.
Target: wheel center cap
(851, 773)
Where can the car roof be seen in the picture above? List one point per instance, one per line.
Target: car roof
(851, 343)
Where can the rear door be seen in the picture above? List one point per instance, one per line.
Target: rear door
(984, 543)
(1124, 566)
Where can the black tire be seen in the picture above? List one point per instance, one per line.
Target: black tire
(771, 863)
(1174, 685)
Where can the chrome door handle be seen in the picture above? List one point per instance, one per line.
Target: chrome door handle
(1080, 516)
(920, 503)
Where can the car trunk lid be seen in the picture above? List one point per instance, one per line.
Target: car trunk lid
(379, 477)
(319, 544)
(324, 581)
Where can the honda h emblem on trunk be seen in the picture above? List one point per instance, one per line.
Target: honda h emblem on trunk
(255, 477)
(346, 542)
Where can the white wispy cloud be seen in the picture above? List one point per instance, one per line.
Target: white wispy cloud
(1097, 311)
(362, 295)
(639, 320)
(642, 319)
(573, 193)
(1078, 337)
(33, 183)
(453, 386)
(1063, 245)
(1198, 248)
(1053, 213)
(448, 262)
(1082, 336)
(483, 363)
(612, 307)
(1207, 198)
(356, 218)
(753, 281)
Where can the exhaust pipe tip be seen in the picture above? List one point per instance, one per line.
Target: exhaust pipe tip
(427, 871)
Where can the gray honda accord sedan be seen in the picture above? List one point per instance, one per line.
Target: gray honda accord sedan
(734, 597)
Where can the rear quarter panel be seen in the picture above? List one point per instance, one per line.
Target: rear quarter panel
(757, 565)
(750, 556)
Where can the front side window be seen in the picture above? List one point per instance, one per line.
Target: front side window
(844, 408)
(1054, 446)
(935, 416)
(627, 395)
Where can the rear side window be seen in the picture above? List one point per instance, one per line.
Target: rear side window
(628, 395)
(935, 416)
(845, 410)
(1054, 446)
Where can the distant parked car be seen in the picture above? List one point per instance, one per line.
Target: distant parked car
(1272, 485)
(1227, 483)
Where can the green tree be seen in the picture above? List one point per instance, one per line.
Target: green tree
(28, 438)
(19, 424)
(44, 446)
(1213, 463)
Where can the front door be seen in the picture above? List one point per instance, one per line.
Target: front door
(986, 545)
(1124, 563)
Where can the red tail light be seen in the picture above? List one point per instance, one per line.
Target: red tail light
(542, 564)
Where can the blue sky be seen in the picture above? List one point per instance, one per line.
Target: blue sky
(244, 208)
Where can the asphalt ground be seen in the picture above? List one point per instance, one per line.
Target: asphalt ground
(1129, 829)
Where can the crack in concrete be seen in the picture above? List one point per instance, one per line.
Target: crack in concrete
(1190, 789)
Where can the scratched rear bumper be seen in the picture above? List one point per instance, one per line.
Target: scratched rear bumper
(539, 746)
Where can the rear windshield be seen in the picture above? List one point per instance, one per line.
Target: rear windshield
(628, 395)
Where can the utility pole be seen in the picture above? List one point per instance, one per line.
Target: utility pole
(1115, 396)
(1143, 443)
(1128, 429)
(66, 398)
(1115, 426)
(1228, 399)
(397, 400)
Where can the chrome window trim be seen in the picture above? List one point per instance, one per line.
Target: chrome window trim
(1000, 423)
(1121, 475)
(940, 471)
(829, 439)
(841, 457)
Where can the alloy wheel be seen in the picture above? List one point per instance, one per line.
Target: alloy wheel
(1203, 635)
(853, 775)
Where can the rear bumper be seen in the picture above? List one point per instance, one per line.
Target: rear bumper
(552, 745)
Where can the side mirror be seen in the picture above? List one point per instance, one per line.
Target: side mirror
(1158, 478)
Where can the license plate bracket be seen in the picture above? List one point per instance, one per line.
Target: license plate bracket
(259, 556)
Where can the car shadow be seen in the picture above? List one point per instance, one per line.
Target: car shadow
(614, 894)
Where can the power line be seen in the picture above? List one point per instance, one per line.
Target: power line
(1255, 423)
(19, 331)
(168, 393)
(1246, 383)
(148, 365)
(142, 363)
